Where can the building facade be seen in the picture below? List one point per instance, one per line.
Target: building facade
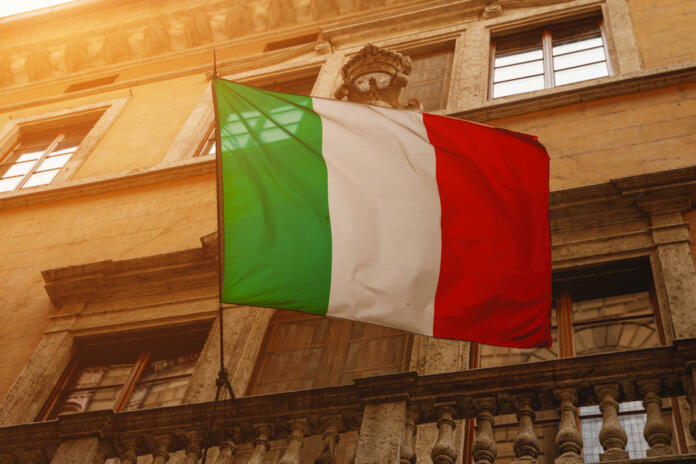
(108, 258)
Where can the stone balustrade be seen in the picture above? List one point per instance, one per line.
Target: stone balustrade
(401, 400)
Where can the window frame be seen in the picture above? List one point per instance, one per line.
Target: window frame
(105, 113)
(546, 30)
(141, 344)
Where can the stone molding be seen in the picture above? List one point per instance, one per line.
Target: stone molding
(514, 105)
(571, 210)
(461, 391)
(596, 89)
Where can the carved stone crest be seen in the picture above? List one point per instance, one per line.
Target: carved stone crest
(376, 76)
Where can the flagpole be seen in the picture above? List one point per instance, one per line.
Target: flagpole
(222, 380)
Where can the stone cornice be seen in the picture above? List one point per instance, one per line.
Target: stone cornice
(150, 275)
(621, 200)
(578, 93)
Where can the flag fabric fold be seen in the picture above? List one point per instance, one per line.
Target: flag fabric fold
(410, 220)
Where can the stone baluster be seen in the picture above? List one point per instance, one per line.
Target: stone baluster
(407, 452)
(612, 436)
(228, 446)
(101, 453)
(161, 453)
(656, 433)
(568, 439)
(298, 430)
(525, 446)
(444, 451)
(194, 439)
(688, 384)
(333, 425)
(130, 453)
(262, 443)
(484, 449)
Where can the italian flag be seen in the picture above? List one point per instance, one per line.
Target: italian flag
(410, 220)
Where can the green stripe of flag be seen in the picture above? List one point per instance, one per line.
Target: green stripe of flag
(275, 200)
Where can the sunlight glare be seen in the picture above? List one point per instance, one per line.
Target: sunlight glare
(12, 7)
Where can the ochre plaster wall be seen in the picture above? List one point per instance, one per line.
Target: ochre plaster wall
(126, 224)
(664, 30)
(143, 132)
(594, 142)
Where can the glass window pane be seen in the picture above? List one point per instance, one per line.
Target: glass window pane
(40, 178)
(62, 149)
(519, 70)
(583, 73)
(7, 185)
(19, 169)
(518, 57)
(633, 424)
(54, 162)
(527, 84)
(575, 45)
(163, 383)
(95, 389)
(578, 58)
(31, 155)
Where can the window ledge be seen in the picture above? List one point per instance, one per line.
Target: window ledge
(118, 181)
(595, 89)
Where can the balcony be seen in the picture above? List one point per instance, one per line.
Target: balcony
(385, 412)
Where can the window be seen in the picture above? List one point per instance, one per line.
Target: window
(38, 155)
(147, 371)
(599, 309)
(299, 86)
(303, 351)
(429, 79)
(548, 57)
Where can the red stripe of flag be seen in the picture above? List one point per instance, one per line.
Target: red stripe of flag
(495, 271)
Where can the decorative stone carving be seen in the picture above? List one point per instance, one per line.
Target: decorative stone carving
(38, 64)
(612, 435)
(116, 47)
(568, 439)
(407, 453)
(161, 453)
(76, 55)
(526, 446)
(492, 11)
(262, 443)
(199, 30)
(193, 452)
(444, 451)
(238, 20)
(484, 449)
(156, 39)
(298, 430)
(333, 425)
(656, 433)
(376, 76)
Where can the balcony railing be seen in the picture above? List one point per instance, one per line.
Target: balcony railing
(647, 375)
